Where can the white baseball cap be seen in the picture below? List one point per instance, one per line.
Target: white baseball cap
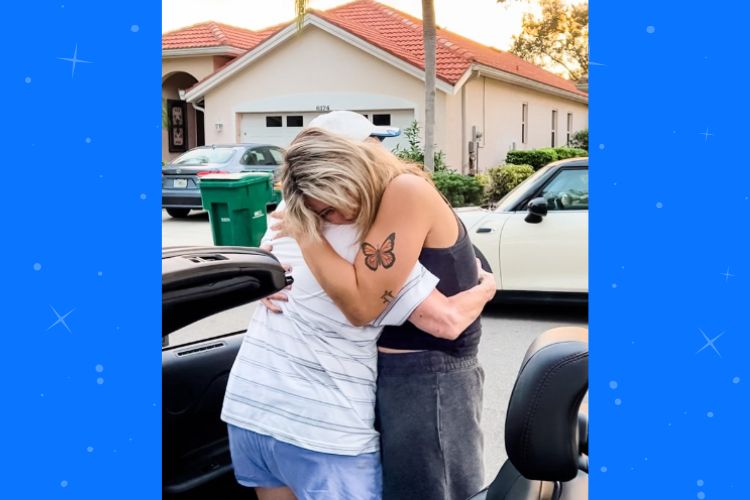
(352, 125)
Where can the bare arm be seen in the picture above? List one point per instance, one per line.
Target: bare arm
(447, 317)
(392, 246)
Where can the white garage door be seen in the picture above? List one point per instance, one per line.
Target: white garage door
(280, 128)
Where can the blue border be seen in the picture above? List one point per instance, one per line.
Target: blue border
(669, 270)
(81, 367)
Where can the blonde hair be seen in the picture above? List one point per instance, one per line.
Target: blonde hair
(347, 175)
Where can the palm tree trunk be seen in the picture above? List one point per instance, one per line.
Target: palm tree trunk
(429, 35)
(300, 9)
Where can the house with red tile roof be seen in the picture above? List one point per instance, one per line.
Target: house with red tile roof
(237, 85)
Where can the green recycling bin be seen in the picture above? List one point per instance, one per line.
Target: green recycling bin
(236, 206)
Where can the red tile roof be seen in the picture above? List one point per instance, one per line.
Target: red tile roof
(401, 35)
(388, 29)
(211, 34)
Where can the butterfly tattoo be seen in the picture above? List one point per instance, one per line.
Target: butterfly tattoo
(383, 256)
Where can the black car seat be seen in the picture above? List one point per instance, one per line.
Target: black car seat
(546, 459)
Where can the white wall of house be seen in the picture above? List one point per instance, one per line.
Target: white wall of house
(495, 108)
(310, 70)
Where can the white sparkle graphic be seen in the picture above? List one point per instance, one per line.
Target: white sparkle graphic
(706, 134)
(710, 342)
(727, 275)
(74, 60)
(61, 319)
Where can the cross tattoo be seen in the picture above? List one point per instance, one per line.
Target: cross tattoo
(387, 297)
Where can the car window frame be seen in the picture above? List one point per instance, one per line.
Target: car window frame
(523, 205)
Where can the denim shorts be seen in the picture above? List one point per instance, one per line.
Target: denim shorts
(263, 461)
(429, 406)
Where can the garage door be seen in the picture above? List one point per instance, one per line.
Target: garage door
(280, 129)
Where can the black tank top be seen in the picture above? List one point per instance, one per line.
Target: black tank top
(456, 268)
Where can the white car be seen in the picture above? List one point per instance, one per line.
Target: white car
(536, 240)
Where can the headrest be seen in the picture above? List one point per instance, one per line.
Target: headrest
(541, 427)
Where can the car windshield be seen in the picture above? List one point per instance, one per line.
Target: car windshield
(202, 156)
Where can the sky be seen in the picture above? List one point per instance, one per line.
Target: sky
(484, 21)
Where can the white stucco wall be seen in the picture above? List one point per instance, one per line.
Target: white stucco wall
(495, 109)
(312, 69)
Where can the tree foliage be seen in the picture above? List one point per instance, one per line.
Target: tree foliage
(558, 40)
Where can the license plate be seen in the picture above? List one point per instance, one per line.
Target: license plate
(180, 183)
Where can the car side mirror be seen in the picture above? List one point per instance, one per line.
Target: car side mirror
(537, 209)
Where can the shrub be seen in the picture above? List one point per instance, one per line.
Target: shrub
(580, 139)
(567, 152)
(415, 153)
(460, 190)
(505, 178)
(537, 158)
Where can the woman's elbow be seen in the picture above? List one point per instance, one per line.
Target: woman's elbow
(452, 328)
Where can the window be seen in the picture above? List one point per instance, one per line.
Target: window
(568, 190)
(569, 129)
(381, 119)
(201, 156)
(277, 155)
(554, 127)
(524, 123)
(273, 121)
(294, 121)
(251, 157)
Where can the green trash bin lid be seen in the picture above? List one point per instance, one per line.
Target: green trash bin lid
(234, 180)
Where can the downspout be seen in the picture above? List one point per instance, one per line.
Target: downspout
(464, 160)
(182, 93)
(464, 142)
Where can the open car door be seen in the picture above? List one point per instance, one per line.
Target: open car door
(198, 282)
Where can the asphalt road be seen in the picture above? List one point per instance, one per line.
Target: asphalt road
(507, 333)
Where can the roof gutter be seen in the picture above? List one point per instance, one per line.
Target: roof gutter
(522, 81)
(221, 50)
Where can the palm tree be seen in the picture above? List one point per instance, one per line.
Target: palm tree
(429, 35)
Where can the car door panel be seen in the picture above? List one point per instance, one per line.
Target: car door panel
(199, 282)
(194, 439)
(549, 256)
(486, 237)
